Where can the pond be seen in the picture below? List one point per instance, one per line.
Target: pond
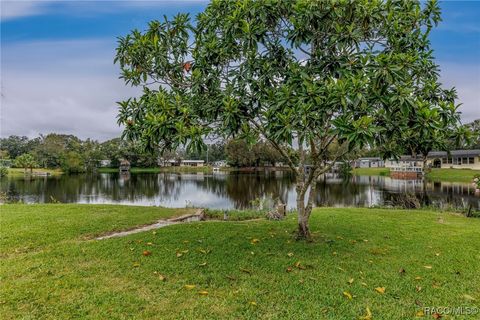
(228, 190)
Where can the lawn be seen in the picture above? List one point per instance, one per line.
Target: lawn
(459, 175)
(452, 175)
(159, 169)
(371, 171)
(21, 171)
(52, 269)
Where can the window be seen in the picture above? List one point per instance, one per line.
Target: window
(471, 160)
(444, 160)
(450, 160)
(465, 161)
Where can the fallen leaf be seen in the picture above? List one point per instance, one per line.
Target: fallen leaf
(289, 269)
(436, 316)
(245, 270)
(290, 254)
(350, 281)
(179, 254)
(154, 232)
(341, 269)
(203, 293)
(190, 286)
(255, 241)
(420, 314)
(184, 251)
(418, 278)
(469, 297)
(348, 295)
(334, 253)
(380, 290)
(146, 253)
(364, 284)
(299, 265)
(427, 267)
(202, 264)
(149, 244)
(437, 254)
(418, 288)
(365, 240)
(418, 303)
(230, 278)
(402, 271)
(436, 285)
(338, 237)
(136, 265)
(368, 314)
(253, 303)
(162, 277)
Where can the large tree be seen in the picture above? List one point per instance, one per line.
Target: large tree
(299, 74)
(25, 161)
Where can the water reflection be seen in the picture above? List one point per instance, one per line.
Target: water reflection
(231, 190)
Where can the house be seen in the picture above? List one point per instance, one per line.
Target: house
(456, 159)
(404, 161)
(124, 165)
(192, 163)
(169, 163)
(220, 163)
(105, 163)
(369, 162)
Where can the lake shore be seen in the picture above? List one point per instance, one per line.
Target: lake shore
(380, 259)
(450, 175)
(15, 172)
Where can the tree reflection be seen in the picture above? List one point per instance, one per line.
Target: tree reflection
(231, 190)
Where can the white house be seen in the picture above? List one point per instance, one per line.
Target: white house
(369, 162)
(192, 163)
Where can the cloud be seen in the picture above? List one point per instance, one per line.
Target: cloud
(17, 9)
(466, 78)
(66, 87)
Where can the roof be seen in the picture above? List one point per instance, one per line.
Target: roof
(370, 159)
(475, 152)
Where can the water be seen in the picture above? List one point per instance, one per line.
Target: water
(231, 190)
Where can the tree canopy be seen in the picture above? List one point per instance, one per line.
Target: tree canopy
(298, 74)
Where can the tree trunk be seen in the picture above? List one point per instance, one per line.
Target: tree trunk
(303, 229)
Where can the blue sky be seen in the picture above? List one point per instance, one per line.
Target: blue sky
(57, 69)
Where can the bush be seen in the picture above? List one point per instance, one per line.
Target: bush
(3, 171)
(476, 181)
(72, 162)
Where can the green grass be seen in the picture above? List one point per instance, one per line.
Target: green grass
(458, 175)
(371, 171)
(51, 270)
(159, 169)
(21, 171)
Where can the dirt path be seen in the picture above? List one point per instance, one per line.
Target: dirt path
(199, 215)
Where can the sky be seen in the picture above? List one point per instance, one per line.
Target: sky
(57, 71)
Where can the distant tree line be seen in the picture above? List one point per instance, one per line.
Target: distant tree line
(74, 155)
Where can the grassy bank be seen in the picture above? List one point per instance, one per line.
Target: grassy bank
(21, 171)
(371, 171)
(454, 175)
(159, 169)
(225, 270)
